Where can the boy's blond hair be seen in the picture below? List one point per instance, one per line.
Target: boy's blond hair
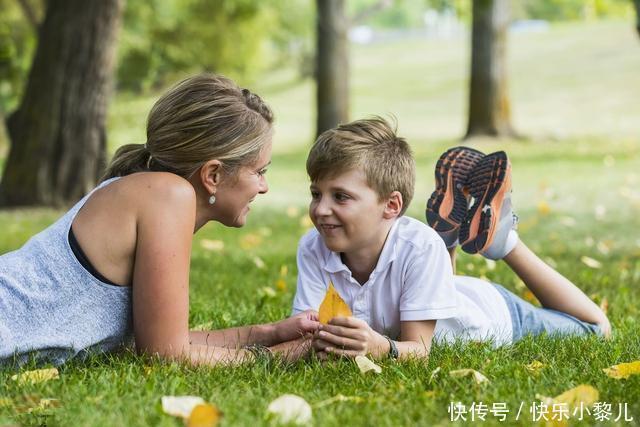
(372, 146)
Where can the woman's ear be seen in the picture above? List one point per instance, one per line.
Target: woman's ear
(211, 175)
(393, 205)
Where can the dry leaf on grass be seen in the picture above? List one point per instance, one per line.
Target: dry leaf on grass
(290, 409)
(534, 366)
(204, 415)
(623, 370)
(590, 262)
(212, 245)
(281, 284)
(180, 406)
(584, 393)
(333, 306)
(36, 376)
(477, 376)
(367, 365)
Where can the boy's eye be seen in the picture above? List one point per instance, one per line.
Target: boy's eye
(341, 197)
(315, 194)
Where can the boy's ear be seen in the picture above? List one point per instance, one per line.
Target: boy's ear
(393, 206)
(211, 175)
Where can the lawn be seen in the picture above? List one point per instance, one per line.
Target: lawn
(576, 180)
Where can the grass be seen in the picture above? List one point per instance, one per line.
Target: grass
(575, 189)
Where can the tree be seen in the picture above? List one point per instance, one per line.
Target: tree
(57, 134)
(637, 5)
(332, 65)
(489, 109)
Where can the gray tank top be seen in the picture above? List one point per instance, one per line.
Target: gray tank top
(51, 307)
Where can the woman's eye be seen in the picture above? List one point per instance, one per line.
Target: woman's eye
(262, 172)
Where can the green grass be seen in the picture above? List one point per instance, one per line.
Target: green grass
(576, 185)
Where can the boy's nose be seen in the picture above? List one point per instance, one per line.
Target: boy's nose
(322, 208)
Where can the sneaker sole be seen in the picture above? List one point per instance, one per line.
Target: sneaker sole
(490, 182)
(447, 206)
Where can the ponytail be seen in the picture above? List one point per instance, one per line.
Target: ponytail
(128, 159)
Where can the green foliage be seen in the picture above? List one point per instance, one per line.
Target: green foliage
(17, 44)
(564, 10)
(163, 39)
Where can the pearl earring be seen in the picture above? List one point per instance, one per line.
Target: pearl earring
(212, 199)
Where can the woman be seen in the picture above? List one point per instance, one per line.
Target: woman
(117, 264)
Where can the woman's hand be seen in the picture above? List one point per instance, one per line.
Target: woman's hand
(349, 336)
(297, 326)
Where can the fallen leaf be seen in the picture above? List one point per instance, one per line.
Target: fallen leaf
(44, 404)
(366, 365)
(333, 305)
(36, 376)
(268, 292)
(293, 211)
(534, 366)
(623, 370)
(281, 284)
(543, 208)
(584, 393)
(250, 241)
(290, 409)
(434, 373)
(212, 245)
(530, 297)
(338, 398)
(259, 262)
(204, 415)
(180, 406)
(590, 262)
(477, 376)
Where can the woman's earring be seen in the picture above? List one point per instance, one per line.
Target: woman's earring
(212, 199)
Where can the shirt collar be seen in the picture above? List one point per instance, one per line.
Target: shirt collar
(333, 263)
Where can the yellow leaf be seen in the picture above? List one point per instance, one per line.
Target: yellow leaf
(367, 365)
(590, 262)
(529, 296)
(290, 409)
(584, 393)
(534, 366)
(623, 370)
(204, 415)
(477, 376)
(544, 208)
(36, 376)
(212, 245)
(332, 306)
(250, 241)
(281, 284)
(180, 406)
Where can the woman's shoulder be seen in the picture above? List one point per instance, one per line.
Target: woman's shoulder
(156, 188)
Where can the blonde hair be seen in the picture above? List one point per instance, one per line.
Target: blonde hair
(201, 118)
(372, 146)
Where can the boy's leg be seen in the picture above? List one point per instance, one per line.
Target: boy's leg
(552, 289)
(490, 229)
(447, 206)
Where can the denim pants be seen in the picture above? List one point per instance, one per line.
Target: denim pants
(528, 319)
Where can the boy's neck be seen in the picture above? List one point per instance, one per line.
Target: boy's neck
(362, 263)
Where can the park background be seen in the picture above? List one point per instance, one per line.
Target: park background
(572, 78)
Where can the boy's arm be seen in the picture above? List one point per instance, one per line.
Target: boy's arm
(348, 336)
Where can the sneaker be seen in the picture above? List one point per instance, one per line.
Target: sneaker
(447, 206)
(489, 227)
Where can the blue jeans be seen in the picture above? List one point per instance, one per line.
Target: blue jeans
(528, 319)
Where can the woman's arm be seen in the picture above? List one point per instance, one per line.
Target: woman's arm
(349, 336)
(269, 334)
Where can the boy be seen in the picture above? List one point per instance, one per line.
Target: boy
(395, 272)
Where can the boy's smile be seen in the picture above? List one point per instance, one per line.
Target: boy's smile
(350, 217)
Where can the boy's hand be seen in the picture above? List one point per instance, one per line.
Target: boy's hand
(296, 326)
(349, 336)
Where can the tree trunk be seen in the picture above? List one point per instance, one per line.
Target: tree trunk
(489, 110)
(332, 65)
(637, 5)
(58, 139)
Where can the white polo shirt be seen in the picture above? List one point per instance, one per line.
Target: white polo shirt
(412, 281)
